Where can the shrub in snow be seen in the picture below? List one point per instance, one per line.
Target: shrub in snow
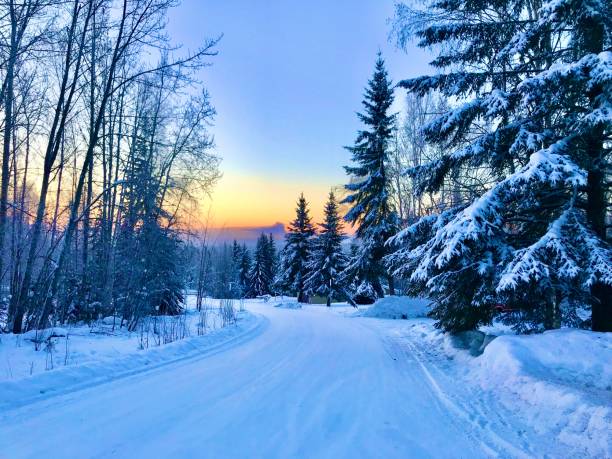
(44, 334)
(365, 294)
(473, 341)
(227, 311)
(532, 119)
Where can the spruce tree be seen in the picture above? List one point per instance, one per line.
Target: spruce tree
(244, 270)
(295, 255)
(327, 260)
(260, 275)
(226, 273)
(533, 91)
(271, 262)
(150, 280)
(237, 288)
(371, 210)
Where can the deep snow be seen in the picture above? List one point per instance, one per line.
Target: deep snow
(319, 382)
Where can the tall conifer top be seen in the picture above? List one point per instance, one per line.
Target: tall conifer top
(369, 197)
(370, 210)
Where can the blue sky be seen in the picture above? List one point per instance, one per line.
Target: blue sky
(286, 84)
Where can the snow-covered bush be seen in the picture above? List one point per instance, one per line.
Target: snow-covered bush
(365, 294)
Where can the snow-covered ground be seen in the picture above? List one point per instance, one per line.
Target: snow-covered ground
(320, 382)
(559, 381)
(558, 384)
(39, 351)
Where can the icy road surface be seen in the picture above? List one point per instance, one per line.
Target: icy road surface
(312, 384)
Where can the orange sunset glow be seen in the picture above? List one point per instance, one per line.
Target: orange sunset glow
(246, 201)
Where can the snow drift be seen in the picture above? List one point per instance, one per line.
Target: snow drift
(561, 381)
(397, 307)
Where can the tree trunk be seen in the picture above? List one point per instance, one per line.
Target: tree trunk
(8, 130)
(57, 131)
(601, 308)
(73, 221)
(552, 313)
(391, 282)
(378, 288)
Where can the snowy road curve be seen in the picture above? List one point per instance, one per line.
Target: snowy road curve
(314, 384)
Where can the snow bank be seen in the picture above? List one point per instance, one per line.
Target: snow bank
(21, 391)
(561, 381)
(397, 307)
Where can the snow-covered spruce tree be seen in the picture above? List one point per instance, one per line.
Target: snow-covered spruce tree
(294, 264)
(244, 270)
(271, 262)
(532, 84)
(260, 280)
(236, 265)
(371, 210)
(327, 260)
(226, 274)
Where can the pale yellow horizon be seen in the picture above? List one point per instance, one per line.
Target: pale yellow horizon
(245, 201)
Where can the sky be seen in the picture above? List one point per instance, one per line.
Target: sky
(286, 83)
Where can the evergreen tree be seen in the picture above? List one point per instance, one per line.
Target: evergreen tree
(236, 253)
(236, 268)
(271, 262)
(295, 255)
(327, 261)
(226, 284)
(260, 272)
(150, 281)
(371, 210)
(535, 89)
(244, 270)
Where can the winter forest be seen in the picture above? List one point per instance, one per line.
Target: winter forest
(450, 291)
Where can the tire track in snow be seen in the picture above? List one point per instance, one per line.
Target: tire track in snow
(500, 431)
(458, 409)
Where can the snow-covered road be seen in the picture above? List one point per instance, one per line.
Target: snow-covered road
(313, 384)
